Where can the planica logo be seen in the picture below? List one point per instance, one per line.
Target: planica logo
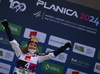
(57, 8)
(14, 28)
(52, 68)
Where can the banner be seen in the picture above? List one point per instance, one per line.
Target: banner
(53, 23)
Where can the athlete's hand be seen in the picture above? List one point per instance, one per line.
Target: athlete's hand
(5, 23)
(62, 48)
(68, 45)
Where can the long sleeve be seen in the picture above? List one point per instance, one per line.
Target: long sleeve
(9, 34)
(46, 56)
(58, 51)
(16, 47)
(53, 54)
(13, 42)
(7, 29)
(62, 48)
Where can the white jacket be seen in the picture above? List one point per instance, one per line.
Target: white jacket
(28, 62)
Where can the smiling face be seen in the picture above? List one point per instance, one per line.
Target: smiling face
(32, 46)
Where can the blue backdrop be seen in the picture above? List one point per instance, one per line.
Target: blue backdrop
(54, 23)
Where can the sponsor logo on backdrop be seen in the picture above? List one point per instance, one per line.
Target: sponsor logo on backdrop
(15, 29)
(60, 58)
(57, 41)
(22, 71)
(6, 55)
(24, 44)
(4, 40)
(1, 53)
(30, 33)
(33, 34)
(98, 57)
(84, 50)
(73, 71)
(97, 67)
(52, 68)
(17, 5)
(37, 14)
(80, 62)
(4, 68)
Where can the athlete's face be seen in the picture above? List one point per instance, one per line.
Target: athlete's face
(32, 46)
